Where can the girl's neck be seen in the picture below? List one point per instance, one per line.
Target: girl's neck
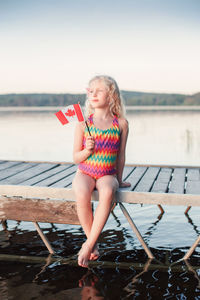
(102, 114)
(102, 119)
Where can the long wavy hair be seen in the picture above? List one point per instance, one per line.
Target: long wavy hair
(116, 102)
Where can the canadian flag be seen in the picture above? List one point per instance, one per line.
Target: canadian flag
(70, 113)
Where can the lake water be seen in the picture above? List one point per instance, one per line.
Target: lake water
(155, 137)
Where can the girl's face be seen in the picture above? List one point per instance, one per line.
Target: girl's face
(98, 94)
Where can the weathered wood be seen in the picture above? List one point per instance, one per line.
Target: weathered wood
(178, 181)
(193, 175)
(67, 180)
(7, 164)
(57, 177)
(193, 187)
(127, 172)
(38, 178)
(135, 176)
(122, 195)
(38, 210)
(162, 182)
(27, 174)
(147, 180)
(14, 170)
(193, 181)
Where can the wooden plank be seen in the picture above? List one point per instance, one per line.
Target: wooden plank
(53, 179)
(162, 182)
(47, 174)
(193, 187)
(27, 174)
(15, 170)
(135, 177)
(158, 198)
(177, 184)
(127, 171)
(65, 182)
(37, 210)
(147, 180)
(193, 175)
(193, 181)
(121, 195)
(8, 164)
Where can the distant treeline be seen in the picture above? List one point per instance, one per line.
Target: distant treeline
(130, 98)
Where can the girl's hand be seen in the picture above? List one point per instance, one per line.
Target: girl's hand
(124, 184)
(90, 144)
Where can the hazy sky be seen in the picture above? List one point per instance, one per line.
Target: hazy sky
(56, 46)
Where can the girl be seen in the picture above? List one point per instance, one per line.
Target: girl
(101, 159)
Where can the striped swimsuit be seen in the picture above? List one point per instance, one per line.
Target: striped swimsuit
(103, 159)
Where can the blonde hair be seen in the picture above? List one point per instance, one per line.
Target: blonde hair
(116, 102)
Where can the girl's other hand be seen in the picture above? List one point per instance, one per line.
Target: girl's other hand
(90, 144)
(124, 184)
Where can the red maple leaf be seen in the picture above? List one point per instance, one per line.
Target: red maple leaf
(70, 113)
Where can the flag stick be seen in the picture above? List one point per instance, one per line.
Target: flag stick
(88, 128)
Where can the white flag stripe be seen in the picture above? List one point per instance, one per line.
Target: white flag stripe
(70, 108)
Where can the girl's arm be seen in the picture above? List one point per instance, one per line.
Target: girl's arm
(123, 124)
(80, 154)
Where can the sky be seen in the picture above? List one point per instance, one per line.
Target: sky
(57, 46)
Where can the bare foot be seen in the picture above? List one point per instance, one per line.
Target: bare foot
(95, 253)
(84, 255)
(124, 184)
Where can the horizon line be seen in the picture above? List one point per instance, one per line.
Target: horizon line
(82, 93)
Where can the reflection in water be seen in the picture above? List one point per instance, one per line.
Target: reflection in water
(87, 283)
(131, 287)
(136, 277)
(189, 141)
(143, 280)
(195, 227)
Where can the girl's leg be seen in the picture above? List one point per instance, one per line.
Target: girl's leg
(83, 185)
(106, 186)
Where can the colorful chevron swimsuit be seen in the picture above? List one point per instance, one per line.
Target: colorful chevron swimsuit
(103, 160)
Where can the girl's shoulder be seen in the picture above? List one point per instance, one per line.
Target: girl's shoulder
(123, 123)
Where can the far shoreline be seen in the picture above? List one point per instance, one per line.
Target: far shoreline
(128, 108)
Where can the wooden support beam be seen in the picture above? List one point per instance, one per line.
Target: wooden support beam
(139, 236)
(38, 210)
(187, 209)
(192, 248)
(44, 238)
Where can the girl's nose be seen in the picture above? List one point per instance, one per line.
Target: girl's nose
(94, 93)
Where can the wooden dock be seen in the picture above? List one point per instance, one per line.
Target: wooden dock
(42, 192)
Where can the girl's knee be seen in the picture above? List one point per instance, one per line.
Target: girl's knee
(81, 192)
(107, 191)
